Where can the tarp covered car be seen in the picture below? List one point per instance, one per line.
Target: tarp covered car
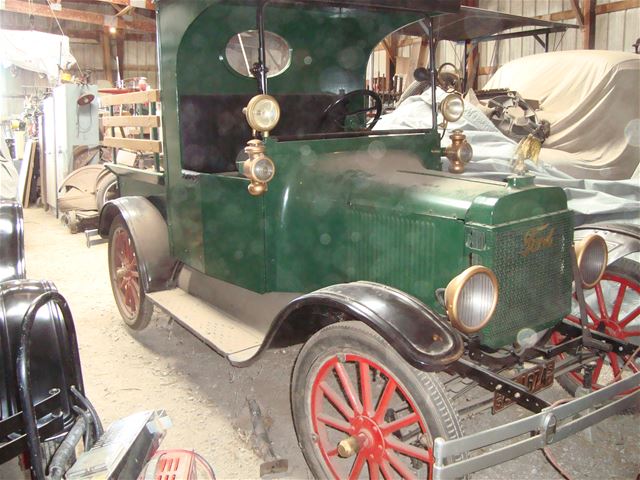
(592, 101)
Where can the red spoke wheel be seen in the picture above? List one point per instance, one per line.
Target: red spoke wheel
(361, 411)
(124, 272)
(613, 307)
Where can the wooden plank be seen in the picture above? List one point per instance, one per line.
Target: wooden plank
(600, 10)
(106, 56)
(145, 121)
(146, 4)
(134, 97)
(154, 146)
(82, 16)
(577, 12)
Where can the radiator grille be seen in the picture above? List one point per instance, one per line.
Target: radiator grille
(532, 262)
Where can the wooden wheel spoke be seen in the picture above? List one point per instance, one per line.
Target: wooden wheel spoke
(602, 305)
(409, 450)
(373, 470)
(347, 388)
(335, 423)
(388, 428)
(591, 314)
(332, 453)
(385, 398)
(613, 359)
(400, 467)
(357, 466)
(597, 370)
(617, 303)
(629, 318)
(630, 333)
(365, 388)
(337, 402)
(385, 469)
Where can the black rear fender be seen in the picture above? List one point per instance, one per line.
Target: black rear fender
(419, 335)
(51, 355)
(150, 234)
(12, 265)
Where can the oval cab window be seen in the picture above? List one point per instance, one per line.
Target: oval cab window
(242, 52)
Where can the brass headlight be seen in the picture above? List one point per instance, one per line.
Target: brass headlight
(263, 113)
(471, 298)
(592, 255)
(452, 107)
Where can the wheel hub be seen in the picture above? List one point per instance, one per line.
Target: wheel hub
(368, 439)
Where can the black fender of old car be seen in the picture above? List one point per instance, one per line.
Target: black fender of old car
(51, 356)
(622, 238)
(12, 264)
(150, 235)
(421, 336)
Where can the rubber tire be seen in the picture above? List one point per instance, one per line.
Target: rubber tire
(355, 337)
(145, 312)
(104, 185)
(622, 267)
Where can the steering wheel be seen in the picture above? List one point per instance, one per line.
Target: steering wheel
(341, 115)
(449, 78)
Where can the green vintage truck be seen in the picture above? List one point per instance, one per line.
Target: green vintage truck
(278, 217)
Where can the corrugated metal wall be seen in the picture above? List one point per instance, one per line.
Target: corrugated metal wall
(614, 31)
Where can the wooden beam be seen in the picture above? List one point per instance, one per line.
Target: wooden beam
(487, 70)
(145, 121)
(577, 12)
(600, 9)
(154, 146)
(82, 16)
(106, 55)
(146, 4)
(589, 33)
(134, 97)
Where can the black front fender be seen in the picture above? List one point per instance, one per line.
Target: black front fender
(419, 335)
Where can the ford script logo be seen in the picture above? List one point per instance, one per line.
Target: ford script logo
(537, 238)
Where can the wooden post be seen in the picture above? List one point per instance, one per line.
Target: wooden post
(106, 55)
(589, 34)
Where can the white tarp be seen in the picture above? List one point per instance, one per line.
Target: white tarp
(592, 100)
(36, 51)
(593, 200)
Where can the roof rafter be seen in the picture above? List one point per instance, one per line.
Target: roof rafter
(82, 16)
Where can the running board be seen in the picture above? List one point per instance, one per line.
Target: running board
(227, 335)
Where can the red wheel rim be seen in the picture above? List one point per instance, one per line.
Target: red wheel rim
(353, 397)
(607, 316)
(125, 272)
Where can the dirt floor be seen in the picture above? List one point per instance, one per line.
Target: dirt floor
(164, 367)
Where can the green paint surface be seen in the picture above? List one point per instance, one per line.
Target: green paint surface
(343, 209)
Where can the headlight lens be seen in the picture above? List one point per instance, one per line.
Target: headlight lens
(592, 255)
(263, 170)
(465, 152)
(452, 107)
(471, 298)
(263, 113)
